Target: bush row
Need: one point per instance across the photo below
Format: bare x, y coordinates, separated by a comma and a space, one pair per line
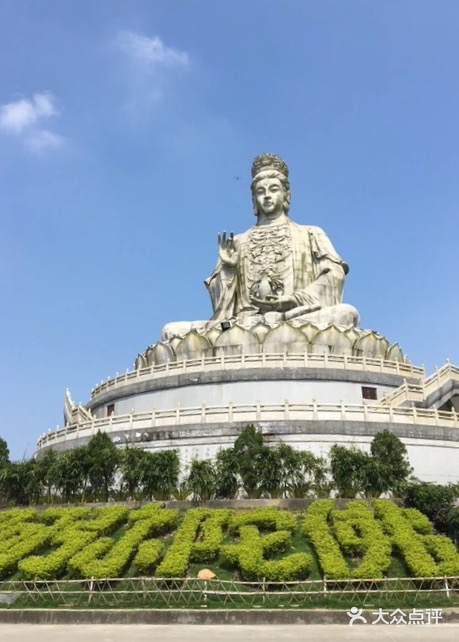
105, 558
249, 555
317, 529
30, 538
361, 536
425, 555
75, 541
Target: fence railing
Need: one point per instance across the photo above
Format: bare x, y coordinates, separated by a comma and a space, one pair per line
414, 393
262, 360
250, 413
191, 592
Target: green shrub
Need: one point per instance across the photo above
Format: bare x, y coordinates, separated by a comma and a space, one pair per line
211, 530
30, 538
409, 544
249, 555
177, 558
359, 534
317, 530
102, 560
53, 564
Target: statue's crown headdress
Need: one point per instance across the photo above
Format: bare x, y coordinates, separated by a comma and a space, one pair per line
269, 161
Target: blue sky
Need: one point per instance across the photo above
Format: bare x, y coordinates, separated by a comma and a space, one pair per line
123, 125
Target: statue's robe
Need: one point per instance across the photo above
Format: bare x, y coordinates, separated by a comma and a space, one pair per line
300, 260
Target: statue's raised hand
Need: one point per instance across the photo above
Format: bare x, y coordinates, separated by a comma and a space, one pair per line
227, 249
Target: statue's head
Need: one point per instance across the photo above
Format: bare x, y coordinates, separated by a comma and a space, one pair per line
270, 166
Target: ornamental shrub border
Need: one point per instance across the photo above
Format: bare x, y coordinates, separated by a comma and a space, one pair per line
101, 543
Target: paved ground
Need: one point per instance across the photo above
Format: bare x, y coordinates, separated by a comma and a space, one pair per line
144, 633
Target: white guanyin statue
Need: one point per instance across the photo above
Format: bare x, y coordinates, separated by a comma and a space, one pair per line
275, 271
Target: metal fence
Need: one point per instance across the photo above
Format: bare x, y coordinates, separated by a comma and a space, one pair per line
151, 592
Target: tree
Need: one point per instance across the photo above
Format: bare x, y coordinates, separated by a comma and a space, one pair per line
46, 472
269, 470
17, 482
202, 479
72, 473
226, 465
167, 465
159, 474
392, 467
103, 458
4, 453
301, 471
348, 469
248, 448
131, 469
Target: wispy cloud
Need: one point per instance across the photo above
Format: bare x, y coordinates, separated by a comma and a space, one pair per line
151, 52
150, 67
43, 140
24, 117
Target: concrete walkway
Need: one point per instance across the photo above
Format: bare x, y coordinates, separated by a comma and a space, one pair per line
222, 633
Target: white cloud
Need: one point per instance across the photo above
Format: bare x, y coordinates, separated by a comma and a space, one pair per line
42, 140
23, 119
20, 115
151, 52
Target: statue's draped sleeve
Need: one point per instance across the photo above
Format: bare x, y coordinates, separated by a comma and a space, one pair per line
318, 270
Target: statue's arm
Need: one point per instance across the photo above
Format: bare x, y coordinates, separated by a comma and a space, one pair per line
222, 283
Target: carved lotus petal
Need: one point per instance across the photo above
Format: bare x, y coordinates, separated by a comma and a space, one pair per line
394, 353
193, 346
237, 340
159, 353
260, 331
309, 330
371, 345
331, 340
285, 338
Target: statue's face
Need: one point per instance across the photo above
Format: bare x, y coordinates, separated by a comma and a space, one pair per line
269, 196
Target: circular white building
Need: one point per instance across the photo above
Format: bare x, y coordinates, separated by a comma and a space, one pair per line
281, 351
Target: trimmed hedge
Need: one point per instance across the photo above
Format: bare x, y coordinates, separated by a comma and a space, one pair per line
425, 555
104, 542
316, 527
359, 534
107, 559
253, 548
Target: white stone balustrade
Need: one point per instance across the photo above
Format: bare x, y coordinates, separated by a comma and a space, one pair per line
251, 413
262, 360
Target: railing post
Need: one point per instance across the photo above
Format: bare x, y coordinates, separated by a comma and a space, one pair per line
365, 412
284, 358
177, 414
314, 410
203, 413
230, 411
258, 411
286, 410
153, 417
